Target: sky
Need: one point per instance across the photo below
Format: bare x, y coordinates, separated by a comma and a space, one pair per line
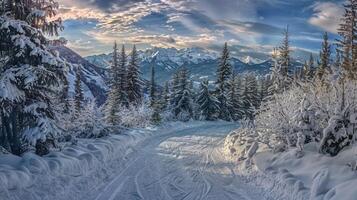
92, 26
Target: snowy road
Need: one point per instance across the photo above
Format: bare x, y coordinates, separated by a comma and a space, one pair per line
186, 163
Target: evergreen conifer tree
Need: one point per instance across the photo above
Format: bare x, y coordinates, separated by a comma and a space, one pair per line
348, 41
31, 78
224, 75
122, 76
78, 98
134, 81
183, 97
207, 103
325, 57
152, 88
113, 100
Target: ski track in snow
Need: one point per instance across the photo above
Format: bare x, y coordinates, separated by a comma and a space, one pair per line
187, 164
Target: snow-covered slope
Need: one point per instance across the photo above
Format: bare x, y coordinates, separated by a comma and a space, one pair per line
93, 77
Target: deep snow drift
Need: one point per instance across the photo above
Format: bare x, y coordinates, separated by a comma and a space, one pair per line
313, 176
179, 161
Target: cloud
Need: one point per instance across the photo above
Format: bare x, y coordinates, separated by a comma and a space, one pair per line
327, 16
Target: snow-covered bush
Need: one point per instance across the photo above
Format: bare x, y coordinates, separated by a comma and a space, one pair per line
91, 122
306, 127
307, 112
275, 122
135, 116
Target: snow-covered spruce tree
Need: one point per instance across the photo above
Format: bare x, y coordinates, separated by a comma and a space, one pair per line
325, 58
281, 70
30, 78
224, 73
112, 104
40, 14
135, 83
348, 42
78, 97
235, 97
250, 95
207, 103
152, 88
122, 79
311, 71
183, 97
165, 99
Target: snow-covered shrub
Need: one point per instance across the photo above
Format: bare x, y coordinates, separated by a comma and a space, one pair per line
275, 122
88, 123
339, 133
306, 111
306, 127
135, 116
91, 122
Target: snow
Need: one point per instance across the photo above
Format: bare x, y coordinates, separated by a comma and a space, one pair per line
176, 161
311, 176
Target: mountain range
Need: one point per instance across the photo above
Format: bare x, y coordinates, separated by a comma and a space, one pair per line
200, 62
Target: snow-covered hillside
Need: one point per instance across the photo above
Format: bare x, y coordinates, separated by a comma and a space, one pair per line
94, 79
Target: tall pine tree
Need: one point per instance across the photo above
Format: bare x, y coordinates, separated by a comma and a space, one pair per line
182, 108
134, 88
113, 100
122, 79
31, 78
224, 75
348, 42
325, 58
78, 98
207, 103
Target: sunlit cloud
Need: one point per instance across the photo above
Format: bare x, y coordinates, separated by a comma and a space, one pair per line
190, 23
327, 16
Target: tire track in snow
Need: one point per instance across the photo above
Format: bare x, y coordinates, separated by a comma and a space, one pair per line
180, 165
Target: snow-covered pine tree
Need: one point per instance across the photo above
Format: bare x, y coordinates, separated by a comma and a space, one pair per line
135, 83
31, 77
250, 95
325, 58
112, 104
263, 90
122, 79
207, 103
284, 56
78, 97
166, 96
183, 97
310, 73
235, 97
224, 73
152, 88
348, 42
40, 14
64, 100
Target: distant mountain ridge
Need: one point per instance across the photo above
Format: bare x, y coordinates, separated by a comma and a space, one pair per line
200, 62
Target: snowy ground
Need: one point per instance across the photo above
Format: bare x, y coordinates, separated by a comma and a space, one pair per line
311, 176
181, 161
